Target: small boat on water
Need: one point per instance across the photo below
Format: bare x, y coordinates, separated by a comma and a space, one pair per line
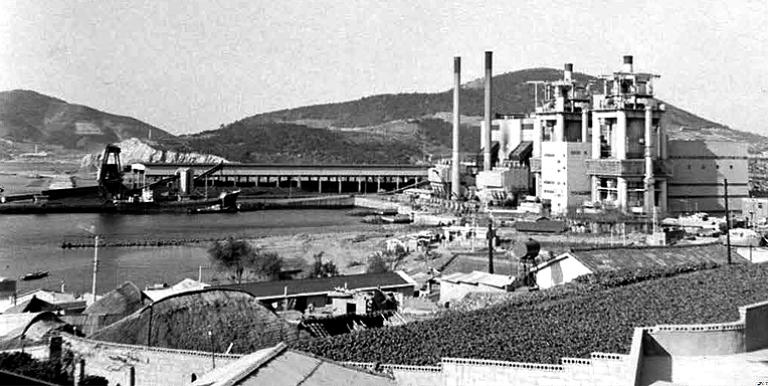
34, 275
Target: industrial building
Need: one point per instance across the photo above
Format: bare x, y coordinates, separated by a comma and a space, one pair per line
600, 146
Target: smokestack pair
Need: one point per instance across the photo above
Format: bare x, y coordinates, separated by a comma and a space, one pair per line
485, 135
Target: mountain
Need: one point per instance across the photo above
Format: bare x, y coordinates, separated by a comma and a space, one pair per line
28, 116
511, 95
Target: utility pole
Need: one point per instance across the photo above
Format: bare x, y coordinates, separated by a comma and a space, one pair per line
95, 265
727, 223
490, 246
213, 352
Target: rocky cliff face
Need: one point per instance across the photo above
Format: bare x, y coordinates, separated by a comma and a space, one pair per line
134, 150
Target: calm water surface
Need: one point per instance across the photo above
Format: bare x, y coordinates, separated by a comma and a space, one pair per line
33, 242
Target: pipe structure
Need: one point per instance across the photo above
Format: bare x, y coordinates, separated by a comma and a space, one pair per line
650, 185
485, 132
568, 72
455, 176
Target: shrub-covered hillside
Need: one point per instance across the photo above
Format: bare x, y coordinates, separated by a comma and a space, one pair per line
545, 327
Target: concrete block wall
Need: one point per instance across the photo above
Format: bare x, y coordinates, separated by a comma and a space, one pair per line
153, 366
707, 354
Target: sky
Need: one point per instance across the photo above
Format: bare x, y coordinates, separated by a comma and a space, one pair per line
188, 66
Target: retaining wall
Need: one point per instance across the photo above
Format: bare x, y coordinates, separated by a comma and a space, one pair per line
153, 366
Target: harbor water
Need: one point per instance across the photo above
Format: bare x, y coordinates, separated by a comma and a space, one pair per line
33, 242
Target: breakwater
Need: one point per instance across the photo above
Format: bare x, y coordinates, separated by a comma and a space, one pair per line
139, 243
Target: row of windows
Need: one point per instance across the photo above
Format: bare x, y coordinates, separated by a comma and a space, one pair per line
705, 166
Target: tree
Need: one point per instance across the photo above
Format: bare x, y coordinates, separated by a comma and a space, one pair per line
232, 255
267, 265
238, 256
44, 370
320, 269
376, 264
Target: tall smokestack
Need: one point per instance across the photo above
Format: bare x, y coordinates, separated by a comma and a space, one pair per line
485, 132
568, 72
455, 183
627, 66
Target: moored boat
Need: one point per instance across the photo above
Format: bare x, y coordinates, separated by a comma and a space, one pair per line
34, 275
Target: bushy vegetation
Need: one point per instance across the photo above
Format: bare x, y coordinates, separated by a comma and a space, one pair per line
239, 257
45, 370
570, 322
250, 141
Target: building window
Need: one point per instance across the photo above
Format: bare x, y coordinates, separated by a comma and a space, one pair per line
717, 166
689, 167
731, 167
703, 167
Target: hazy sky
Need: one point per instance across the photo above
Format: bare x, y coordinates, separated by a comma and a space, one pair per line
188, 66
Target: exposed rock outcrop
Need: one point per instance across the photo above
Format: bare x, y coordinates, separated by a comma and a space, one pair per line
134, 150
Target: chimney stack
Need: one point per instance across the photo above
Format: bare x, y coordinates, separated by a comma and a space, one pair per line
485, 132
627, 66
568, 72
455, 180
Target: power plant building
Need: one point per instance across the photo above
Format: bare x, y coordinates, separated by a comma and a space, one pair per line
610, 150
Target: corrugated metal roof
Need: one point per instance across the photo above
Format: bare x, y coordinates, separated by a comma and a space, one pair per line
611, 259
279, 366
479, 277
276, 289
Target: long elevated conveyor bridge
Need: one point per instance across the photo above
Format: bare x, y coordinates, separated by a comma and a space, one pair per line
322, 178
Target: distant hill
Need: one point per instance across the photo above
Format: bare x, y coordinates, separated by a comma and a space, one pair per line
28, 116
511, 95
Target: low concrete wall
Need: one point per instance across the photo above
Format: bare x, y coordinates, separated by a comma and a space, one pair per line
690, 340
755, 318
320, 202
153, 366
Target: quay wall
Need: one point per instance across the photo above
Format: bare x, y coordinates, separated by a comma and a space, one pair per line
419, 218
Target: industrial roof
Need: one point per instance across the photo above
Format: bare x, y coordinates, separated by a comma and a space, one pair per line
544, 226
611, 259
479, 277
294, 288
280, 366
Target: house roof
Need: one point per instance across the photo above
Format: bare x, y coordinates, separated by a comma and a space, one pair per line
122, 300
185, 285
294, 288
182, 321
32, 304
281, 366
543, 226
53, 297
611, 259
479, 277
